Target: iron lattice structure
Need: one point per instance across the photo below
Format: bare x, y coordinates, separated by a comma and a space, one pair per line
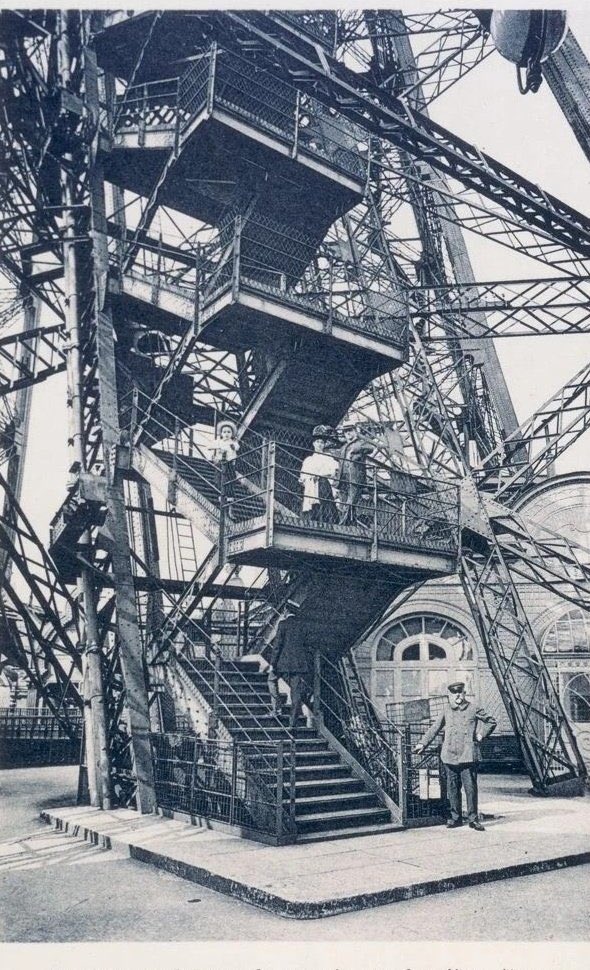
130, 263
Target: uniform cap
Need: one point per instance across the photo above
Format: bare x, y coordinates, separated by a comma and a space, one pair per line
456, 687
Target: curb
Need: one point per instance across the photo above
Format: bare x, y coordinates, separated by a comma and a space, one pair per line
295, 909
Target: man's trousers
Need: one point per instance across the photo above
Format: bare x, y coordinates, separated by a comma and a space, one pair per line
462, 776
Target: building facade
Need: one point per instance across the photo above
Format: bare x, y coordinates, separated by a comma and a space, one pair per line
431, 639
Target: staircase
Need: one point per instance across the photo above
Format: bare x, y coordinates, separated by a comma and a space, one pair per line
204, 477
331, 800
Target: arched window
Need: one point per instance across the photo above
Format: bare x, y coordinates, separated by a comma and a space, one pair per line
569, 633
576, 697
417, 656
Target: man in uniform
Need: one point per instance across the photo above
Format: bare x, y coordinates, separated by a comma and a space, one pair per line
464, 724
291, 659
351, 479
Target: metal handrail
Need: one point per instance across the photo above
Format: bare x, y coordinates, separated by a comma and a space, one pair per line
266, 256
228, 685
223, 78
373, 752
280, 492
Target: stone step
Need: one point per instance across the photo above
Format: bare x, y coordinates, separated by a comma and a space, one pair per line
351, 832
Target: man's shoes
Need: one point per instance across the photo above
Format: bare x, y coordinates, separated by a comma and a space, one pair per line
477, 826
454, 823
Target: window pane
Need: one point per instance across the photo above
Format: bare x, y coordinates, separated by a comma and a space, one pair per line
434, 625
576, 698
384, 683
411, 683
385, 649
467, 677
413, 625
412, 652
437, 682
435, 652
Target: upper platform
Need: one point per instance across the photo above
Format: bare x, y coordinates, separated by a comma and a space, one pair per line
402, 522
230, 132
251, 287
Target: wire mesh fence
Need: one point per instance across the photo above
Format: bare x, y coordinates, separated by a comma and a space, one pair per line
249, 785
28, 738
424, 788
222, 79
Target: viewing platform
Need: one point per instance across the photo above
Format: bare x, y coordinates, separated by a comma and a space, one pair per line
227, 123
252, 287
401, 521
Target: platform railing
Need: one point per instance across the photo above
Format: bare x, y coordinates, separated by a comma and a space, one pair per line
221, 79
245, 785
395, 508
262, 256
28, 737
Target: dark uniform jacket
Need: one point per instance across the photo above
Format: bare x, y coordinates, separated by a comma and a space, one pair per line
352, 469
460, 725
291, 652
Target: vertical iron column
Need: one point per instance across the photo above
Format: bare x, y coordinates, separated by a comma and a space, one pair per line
22, 409
97, 760
458, 254
131, 656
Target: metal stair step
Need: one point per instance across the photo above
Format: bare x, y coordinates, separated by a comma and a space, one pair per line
327, 786
306, 806
327, 772
349, 818
273, 735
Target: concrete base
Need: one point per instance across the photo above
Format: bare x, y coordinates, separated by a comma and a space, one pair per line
317, 880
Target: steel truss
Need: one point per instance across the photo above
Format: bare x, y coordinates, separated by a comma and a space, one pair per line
441, 401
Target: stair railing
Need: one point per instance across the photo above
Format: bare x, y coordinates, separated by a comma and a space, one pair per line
222, 682
235, 782
349, 717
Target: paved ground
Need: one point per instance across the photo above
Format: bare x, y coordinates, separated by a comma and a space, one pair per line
55, 888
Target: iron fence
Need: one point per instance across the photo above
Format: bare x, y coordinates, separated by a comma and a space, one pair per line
243, 784
341, 702
394, 508
28, 738
499, 752
221, 79
423, 778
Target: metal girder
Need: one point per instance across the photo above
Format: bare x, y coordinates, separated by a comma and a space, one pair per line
31, 356
553, 428
48, 626
506, 308
542, 556
494, 412
567, 72
459, 205
547, 741
456, 46
515, 658
380, 114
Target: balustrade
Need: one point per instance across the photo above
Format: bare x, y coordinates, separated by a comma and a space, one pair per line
395, 509
222, 80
